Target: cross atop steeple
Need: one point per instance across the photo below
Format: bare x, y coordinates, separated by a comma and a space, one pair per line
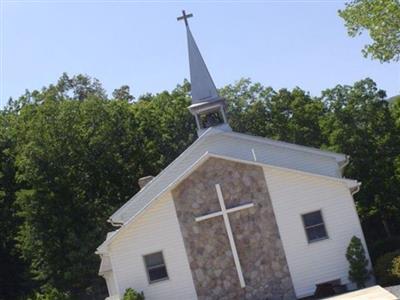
185, 17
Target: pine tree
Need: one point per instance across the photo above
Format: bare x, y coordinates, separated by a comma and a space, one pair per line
358, 272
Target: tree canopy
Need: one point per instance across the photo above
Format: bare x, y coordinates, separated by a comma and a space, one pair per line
381, 19
70, 156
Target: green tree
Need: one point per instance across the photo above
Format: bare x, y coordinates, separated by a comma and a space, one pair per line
69, 157
359, 123
247, 106
387, 268
78, 87
78, 159
295, 117
381, 18
123, 93
291, 116
166, 126
50, 293
131, 294
358, 263
14, 280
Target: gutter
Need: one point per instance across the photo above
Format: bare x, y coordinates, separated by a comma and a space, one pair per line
115, 224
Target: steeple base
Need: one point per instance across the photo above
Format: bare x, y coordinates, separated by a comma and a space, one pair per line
222, 127
210, 114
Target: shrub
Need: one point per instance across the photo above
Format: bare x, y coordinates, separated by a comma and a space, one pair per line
131, 294
50, 293
358, 272
387, 268
381, 247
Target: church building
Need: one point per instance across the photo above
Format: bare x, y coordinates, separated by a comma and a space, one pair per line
235, 216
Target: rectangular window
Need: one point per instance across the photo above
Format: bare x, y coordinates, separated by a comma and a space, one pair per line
314, 226
155, 267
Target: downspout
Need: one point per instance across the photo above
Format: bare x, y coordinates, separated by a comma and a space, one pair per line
344, 165
357, 189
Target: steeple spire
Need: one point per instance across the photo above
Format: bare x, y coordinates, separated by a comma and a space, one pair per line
207, 106
203, 87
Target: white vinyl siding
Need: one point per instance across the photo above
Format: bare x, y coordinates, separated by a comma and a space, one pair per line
314, 226
156, 230
292, 196
110, 282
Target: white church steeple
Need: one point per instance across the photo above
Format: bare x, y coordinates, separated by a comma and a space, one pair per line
207, 106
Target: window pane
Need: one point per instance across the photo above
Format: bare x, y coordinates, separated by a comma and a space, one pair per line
155, 266
154, 259
157, 273
316, 233
312, 218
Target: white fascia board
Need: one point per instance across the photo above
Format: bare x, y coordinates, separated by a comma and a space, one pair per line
350, 183
103, 247
339, 157
155, 180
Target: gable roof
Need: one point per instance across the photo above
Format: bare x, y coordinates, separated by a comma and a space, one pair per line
237, 145
351, 184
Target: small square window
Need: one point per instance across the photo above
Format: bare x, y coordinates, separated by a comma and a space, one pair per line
155, 266
314, 226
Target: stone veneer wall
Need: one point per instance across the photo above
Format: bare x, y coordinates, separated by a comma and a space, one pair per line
255, 232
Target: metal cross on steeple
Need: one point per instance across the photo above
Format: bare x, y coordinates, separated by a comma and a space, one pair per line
185, 17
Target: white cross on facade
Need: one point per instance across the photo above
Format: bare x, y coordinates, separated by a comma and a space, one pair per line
224, 213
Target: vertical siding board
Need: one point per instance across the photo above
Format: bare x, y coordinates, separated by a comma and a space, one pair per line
156, 230
295, 194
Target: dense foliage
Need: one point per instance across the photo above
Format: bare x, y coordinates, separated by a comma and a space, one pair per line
381, 19
387, 269
70, 156
131, 294
384, 245
358, 262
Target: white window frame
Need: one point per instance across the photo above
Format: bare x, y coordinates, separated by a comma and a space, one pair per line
156, 266
315, 225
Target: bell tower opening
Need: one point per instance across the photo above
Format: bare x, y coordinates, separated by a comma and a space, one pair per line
210, 115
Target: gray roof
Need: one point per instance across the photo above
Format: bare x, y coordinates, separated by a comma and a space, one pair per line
203, 87
234, 145
139, 207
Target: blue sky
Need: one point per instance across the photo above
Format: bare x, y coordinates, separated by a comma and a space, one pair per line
140, 43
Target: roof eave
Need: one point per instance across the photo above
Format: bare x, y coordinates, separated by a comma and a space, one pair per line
339, 157
350, 183
114, 220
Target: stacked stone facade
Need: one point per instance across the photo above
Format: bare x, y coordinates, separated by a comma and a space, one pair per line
255, 233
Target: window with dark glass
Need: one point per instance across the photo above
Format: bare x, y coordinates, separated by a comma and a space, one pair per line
314, 226
155, 267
